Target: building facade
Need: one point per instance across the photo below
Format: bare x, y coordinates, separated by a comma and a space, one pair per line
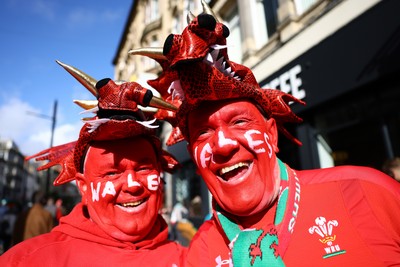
18, 178
339, 56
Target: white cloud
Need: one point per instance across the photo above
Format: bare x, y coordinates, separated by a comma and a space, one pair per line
81, 17
29, 132
44, 8
111, 15
86, 18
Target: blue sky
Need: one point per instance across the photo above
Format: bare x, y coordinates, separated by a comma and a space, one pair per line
35, 33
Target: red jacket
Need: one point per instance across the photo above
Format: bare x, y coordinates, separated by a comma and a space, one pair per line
77, 241
360, 206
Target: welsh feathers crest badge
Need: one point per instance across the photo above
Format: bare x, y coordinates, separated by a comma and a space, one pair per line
324, 229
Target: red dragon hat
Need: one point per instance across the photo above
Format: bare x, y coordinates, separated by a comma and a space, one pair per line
196, 68
117, 116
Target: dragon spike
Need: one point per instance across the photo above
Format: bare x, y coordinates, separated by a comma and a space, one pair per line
207, 9
86, 104
189, 17
157, 102
87, 81
152, 52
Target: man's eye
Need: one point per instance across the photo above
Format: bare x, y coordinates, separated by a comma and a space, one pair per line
145, 168
239, 121
202, 132
111, 173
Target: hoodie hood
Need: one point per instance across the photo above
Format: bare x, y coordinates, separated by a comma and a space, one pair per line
79, 225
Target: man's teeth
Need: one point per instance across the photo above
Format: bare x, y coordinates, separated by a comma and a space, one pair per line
132, 204
233, 167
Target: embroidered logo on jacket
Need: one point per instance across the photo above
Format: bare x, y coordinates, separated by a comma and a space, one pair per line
324, 229
221, 262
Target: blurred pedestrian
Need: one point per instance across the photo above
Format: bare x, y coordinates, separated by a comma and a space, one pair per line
51, 207
182, 229
33, 221
7, 225
60, 210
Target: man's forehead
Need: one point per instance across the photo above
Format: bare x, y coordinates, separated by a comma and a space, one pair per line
136, 148
119, 142
231, 105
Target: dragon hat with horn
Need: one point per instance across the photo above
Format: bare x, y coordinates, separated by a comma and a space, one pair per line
196, 68
117, 116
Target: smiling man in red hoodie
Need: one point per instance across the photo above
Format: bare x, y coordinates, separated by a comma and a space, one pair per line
117, 163
264, 212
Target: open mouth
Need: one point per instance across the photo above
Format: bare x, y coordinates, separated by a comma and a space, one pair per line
131, 205
215, 59
235, 171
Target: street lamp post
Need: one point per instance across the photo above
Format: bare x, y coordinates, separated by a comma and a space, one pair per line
53, 125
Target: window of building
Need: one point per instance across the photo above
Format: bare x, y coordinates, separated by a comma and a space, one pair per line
303, 5
231, 19
191, 5
152, 11
271, 15
176, 24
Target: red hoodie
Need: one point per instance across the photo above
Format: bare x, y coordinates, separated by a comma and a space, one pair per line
342, 216
77, 241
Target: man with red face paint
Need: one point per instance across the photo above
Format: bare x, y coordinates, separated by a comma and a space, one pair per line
117, 163
264, 212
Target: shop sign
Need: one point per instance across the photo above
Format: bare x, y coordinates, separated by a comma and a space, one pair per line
289, 82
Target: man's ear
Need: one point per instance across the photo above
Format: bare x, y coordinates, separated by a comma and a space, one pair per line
272, 132
81, 183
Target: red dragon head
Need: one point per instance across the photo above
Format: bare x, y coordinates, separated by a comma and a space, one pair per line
197, 68
117, 116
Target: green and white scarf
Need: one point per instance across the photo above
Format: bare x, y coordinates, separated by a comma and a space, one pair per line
259, 247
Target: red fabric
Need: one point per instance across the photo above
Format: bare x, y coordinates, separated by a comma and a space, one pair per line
365, 204
79, 242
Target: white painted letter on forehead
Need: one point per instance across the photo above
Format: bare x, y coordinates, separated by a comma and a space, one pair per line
254, 143
222, 141
153, 181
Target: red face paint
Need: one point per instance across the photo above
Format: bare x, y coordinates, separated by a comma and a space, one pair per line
122, 187
234, 148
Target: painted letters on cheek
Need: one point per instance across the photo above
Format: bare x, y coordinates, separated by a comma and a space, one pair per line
153, 181
222, 141
95, 192
205, 155
132, 183
109, 189
254, 143
266, 138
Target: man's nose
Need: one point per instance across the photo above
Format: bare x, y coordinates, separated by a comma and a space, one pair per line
224, 143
